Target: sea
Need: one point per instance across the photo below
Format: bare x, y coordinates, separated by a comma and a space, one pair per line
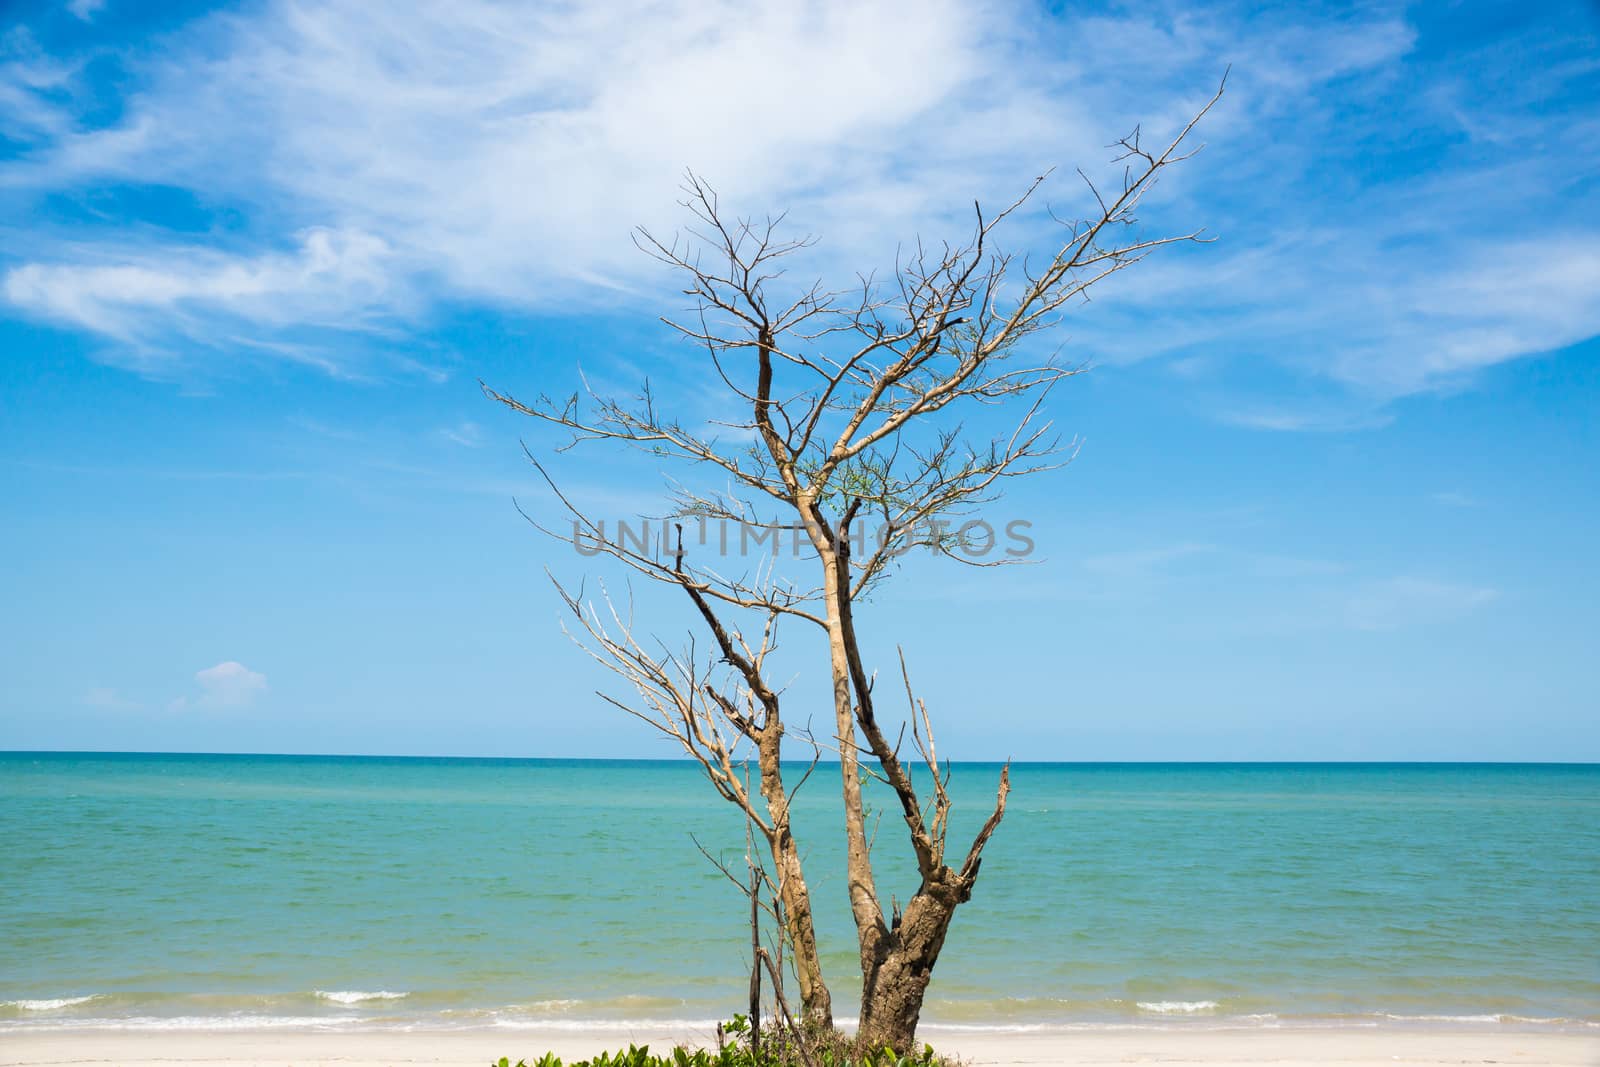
174, 892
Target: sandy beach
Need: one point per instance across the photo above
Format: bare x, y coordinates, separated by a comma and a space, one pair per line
1345, 1047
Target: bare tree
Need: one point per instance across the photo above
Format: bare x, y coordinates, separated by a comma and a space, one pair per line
847, 406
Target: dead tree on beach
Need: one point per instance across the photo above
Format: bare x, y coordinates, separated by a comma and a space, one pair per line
846, 409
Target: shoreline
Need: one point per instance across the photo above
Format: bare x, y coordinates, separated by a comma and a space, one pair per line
1181, 1019
1343, 1046
936, 1032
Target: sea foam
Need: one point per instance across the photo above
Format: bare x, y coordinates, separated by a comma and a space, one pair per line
1177, 1007
184, 1022
356, 996
45, 1005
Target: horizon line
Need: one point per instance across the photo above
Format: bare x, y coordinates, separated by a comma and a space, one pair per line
690, 762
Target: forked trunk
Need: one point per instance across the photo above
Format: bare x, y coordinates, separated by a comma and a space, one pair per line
897, 958
893, 990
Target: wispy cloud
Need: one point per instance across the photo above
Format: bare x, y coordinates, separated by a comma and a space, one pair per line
465, 434
500, 154
86, 9
1277, 592
141, 298
1510, 299
508, 151
1392, 603
1300, 420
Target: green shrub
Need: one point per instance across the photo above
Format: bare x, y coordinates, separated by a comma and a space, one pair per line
777, 1050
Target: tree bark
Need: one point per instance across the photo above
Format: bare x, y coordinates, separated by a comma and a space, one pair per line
816, 1003
896, 960
892, 991
871, 931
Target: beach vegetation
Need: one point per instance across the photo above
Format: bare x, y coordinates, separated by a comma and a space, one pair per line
833, 1050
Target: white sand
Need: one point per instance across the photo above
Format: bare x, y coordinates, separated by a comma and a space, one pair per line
1345, 1048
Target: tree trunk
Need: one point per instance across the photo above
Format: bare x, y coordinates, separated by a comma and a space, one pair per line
816, 1003
871, 932
893, 990
896, 959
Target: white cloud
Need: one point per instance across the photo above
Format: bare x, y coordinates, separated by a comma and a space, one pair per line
501, 153
135, 295
31, 87
1510, 300
508, 150
1302, 420
229, 684
466, 434
86, 9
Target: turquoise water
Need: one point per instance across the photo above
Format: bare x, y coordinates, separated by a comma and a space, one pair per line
242, 891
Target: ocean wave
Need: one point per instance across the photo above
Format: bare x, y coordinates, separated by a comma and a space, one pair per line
52, 1004
1177, 1007
605, 1025
1010, 1028
45, 1022
186, 1022
453, 1010
1502, 1019
345, 996
562, 1005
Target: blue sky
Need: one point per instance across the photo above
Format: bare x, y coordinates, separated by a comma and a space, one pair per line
1336, 495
